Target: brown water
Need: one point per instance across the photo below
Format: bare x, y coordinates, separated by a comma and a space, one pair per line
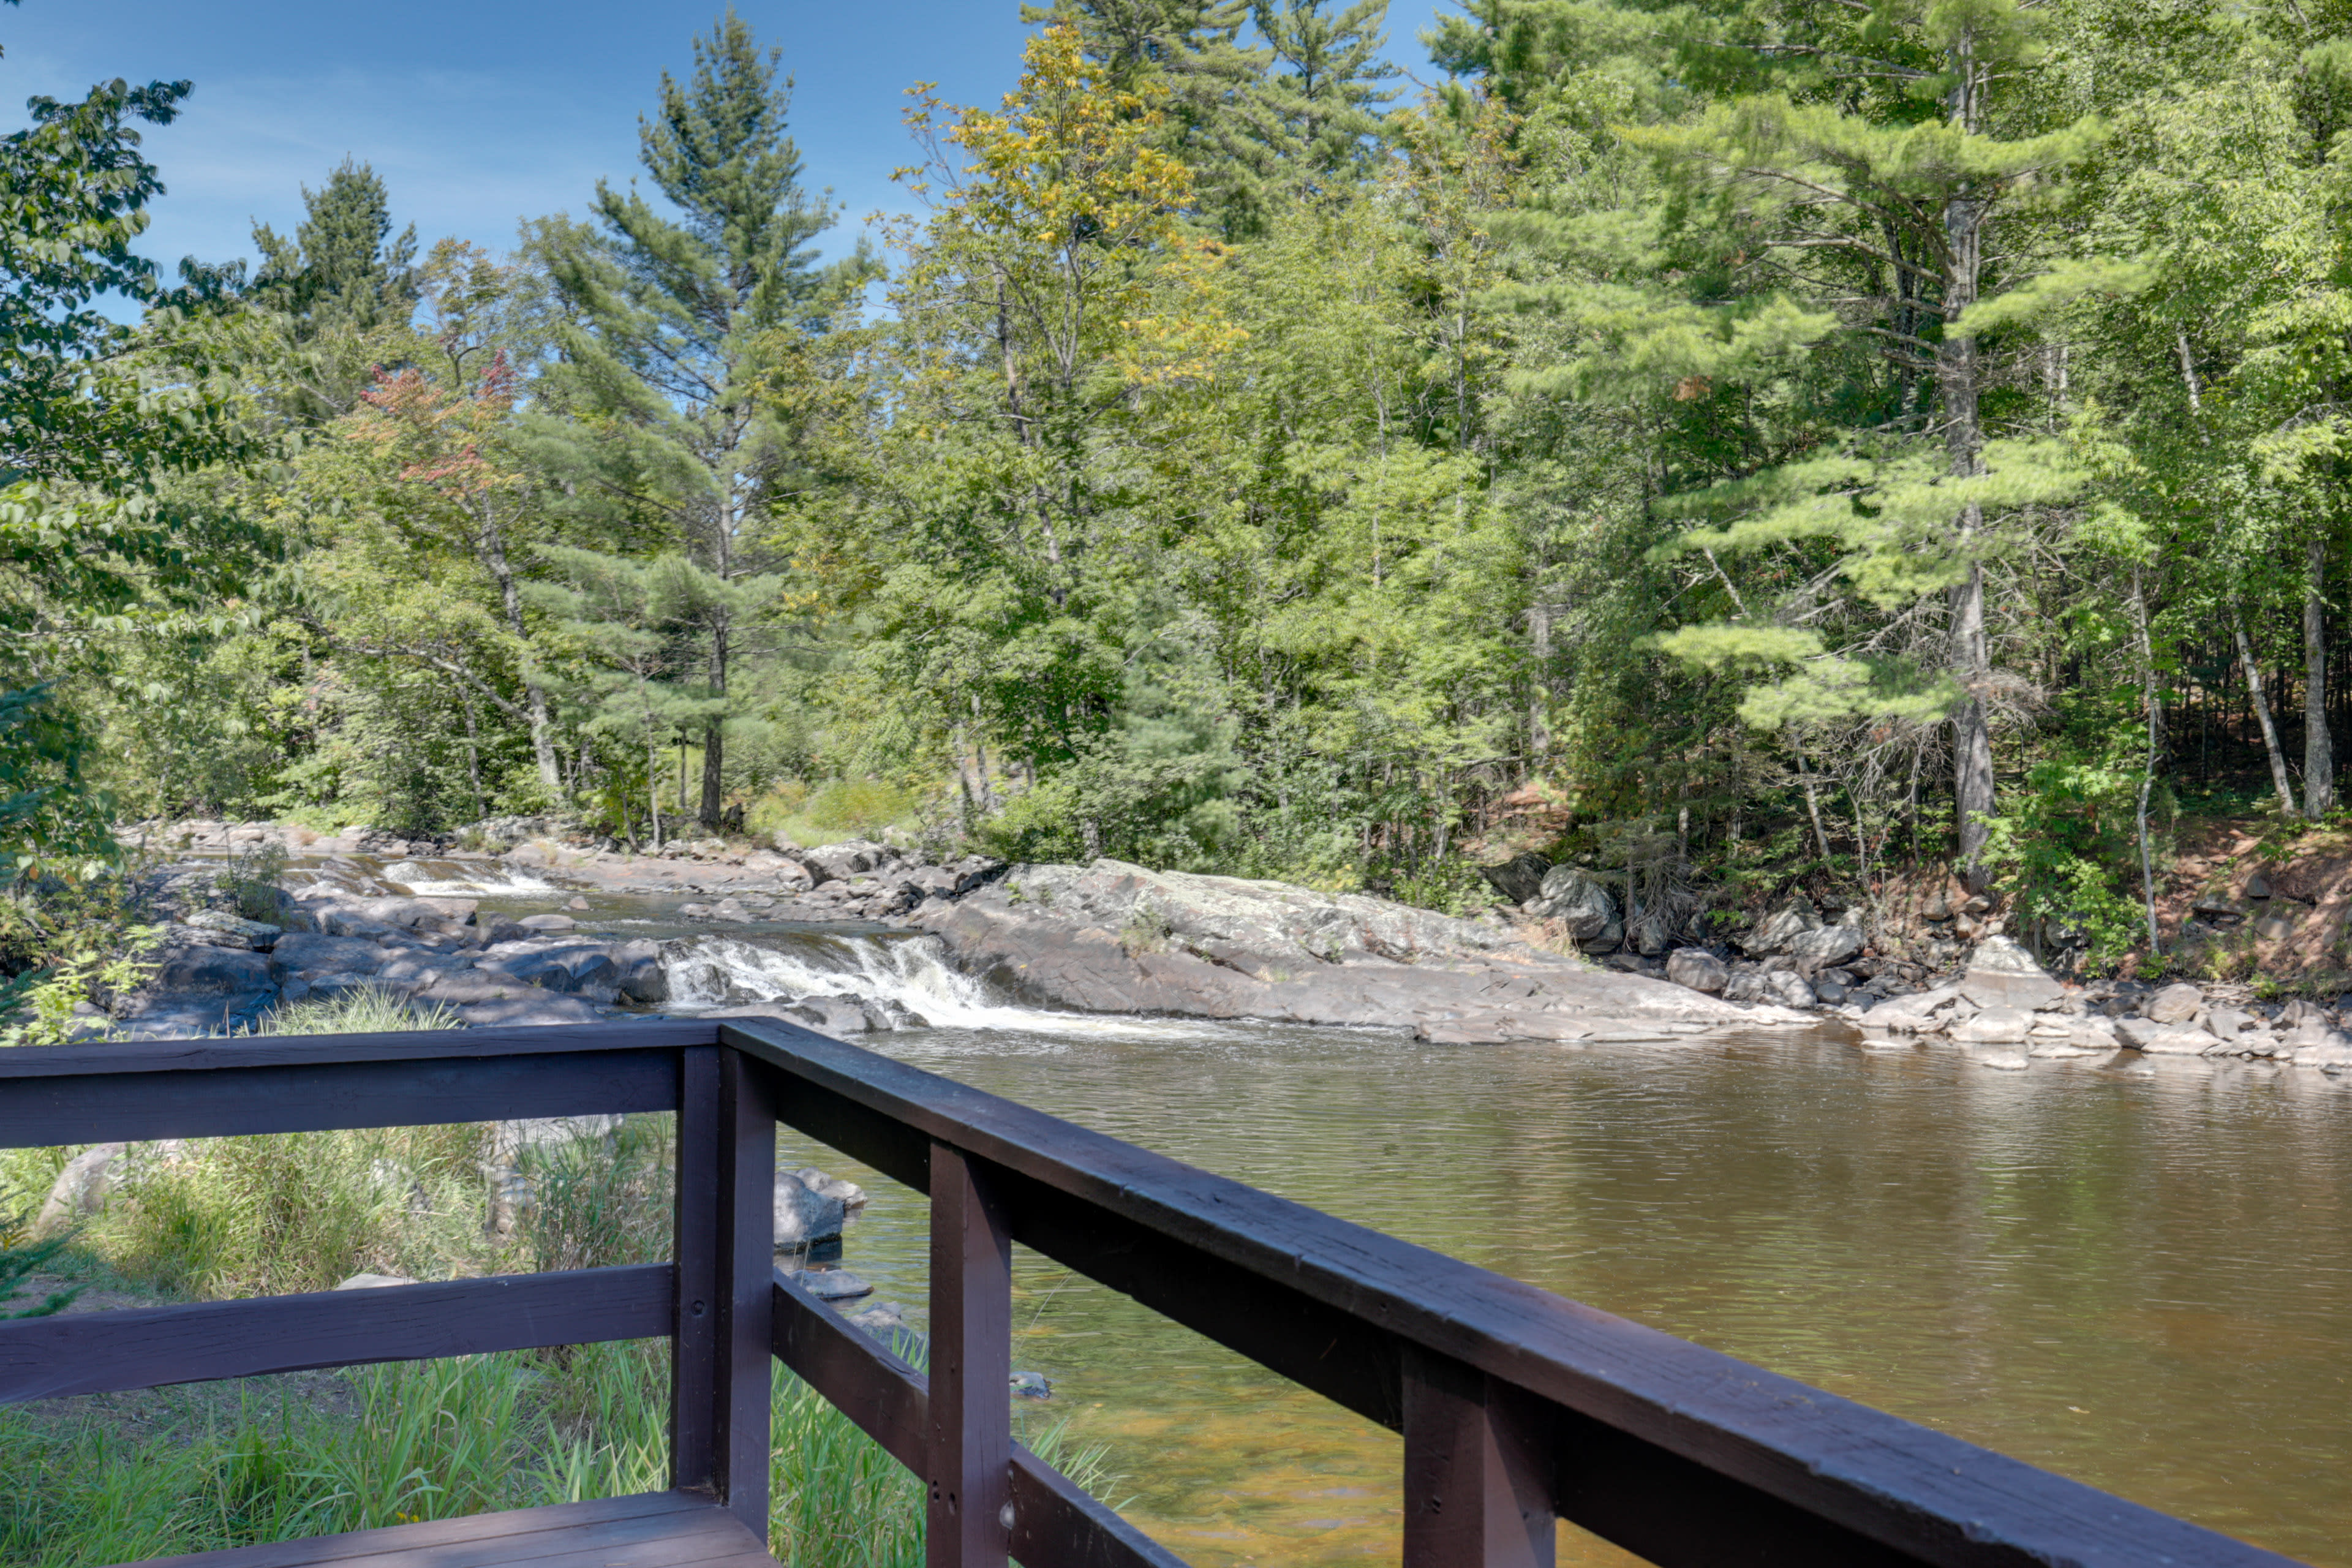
2141, 1277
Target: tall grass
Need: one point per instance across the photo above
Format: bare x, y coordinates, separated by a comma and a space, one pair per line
234, 1216
440, 1439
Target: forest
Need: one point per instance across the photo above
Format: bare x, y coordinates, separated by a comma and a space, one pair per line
1763, 439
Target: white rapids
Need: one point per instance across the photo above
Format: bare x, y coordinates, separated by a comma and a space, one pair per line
910, 972
449, 880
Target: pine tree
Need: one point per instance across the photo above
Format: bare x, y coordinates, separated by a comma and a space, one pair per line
673, 327
343, 268
1324, 86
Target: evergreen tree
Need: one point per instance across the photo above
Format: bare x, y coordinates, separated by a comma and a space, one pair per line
344, 268
1324, 86
673, 330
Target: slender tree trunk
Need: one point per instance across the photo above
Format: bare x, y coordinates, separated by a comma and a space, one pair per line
1539, 652
1959, 374
2262, 714
543, 723
2155, 745
2318, 746
1813, 802
714, 741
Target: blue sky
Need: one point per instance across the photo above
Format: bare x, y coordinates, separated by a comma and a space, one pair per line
480, 113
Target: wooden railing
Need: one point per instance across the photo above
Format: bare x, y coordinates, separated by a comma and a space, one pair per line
1517, 1406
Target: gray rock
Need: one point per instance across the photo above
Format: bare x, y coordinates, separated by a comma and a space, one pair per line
834, 1284
1919, 1011
1786, 988
535, 1006
2227, 1023
79, 1190
2331, 1050
233, 930
1519, 879
1994, 1025
308, 952
803, 1216
548, 923
1775, 932
1032, 1386
2177, 1040
839, 862
207, 970
2175, 1003
1582, 906
373, 1281
2001, 973
1698, 969
1825, 945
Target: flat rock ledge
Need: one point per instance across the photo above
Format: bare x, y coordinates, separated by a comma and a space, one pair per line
1115, 938
2005, 1007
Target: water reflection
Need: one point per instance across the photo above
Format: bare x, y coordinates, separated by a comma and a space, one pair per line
2141, 1277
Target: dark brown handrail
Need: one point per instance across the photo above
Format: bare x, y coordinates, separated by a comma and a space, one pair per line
1516, 1406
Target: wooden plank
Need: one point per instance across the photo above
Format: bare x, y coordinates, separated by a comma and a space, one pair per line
885, 1396
140, 1057
694, 1352
1864, 1477
744, 1374
309, 1095
1055, 1523
969, 1411
90, 1352
514, 1524
1478, 1476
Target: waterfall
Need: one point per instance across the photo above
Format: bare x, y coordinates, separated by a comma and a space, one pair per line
904, 975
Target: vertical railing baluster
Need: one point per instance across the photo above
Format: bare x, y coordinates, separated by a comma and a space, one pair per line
970, 1441
694, 1349
746, 1239
1477, 1470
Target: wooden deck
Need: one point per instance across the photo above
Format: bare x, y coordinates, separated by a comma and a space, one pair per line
654, 1529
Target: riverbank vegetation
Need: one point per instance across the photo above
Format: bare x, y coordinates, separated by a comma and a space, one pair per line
161, 1472
1793, 439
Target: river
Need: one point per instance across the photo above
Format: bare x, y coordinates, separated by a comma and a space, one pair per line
2137, 1273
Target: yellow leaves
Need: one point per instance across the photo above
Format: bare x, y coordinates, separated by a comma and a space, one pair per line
1181, 343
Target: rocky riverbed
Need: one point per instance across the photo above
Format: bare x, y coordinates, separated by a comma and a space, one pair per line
1565, 964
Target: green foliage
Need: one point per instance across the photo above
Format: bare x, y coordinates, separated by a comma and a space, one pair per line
2066, 854
22, 1257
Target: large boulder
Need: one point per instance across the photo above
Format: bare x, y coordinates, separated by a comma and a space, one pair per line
1698, 969
1519, 879
1773, 934
839, 862
1825, 947
804, 1217
312, 953
218, 928
79, 1190
2001, 973
207, 970
1579, 902
2175, 1003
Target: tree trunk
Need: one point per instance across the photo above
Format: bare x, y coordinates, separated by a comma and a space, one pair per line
1539, 653
2155, 745
1959, 376
542, 725
2318, 746
2262, 714
714, 742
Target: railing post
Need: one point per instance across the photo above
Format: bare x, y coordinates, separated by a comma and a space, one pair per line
1477, 1473
970, 1441
694, 1352
719, 1372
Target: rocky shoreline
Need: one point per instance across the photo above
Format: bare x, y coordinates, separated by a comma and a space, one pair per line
1119, 939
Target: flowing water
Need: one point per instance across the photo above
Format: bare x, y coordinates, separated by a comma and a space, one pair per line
2140, 1277
2136, 1273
